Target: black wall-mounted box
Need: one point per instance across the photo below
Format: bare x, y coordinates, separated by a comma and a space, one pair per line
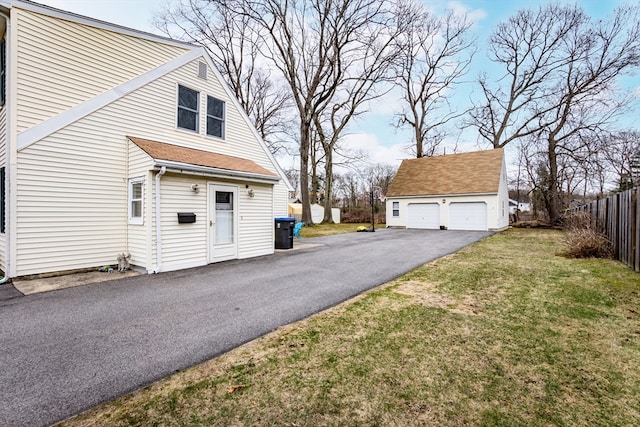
186, 217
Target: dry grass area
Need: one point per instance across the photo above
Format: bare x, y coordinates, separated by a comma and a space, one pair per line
502, 333
318, 230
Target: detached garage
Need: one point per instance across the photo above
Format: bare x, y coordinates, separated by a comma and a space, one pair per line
466, 191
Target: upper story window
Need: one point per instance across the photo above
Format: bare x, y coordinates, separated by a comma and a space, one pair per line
188, 108
215, 117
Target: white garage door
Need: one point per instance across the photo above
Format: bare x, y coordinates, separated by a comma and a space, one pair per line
468, 216
423, 215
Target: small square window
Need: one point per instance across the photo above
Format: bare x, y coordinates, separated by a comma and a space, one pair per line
188, 108
135, 201
215, 117
396, 208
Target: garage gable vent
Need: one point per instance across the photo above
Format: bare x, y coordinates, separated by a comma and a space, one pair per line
202, 70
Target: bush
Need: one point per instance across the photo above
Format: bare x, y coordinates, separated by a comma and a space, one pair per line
361, 215
583, 239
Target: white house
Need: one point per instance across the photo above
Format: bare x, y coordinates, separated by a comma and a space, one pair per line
466, 191
119, 141
515, 205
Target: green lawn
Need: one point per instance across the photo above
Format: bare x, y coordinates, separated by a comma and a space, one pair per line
504, 332
329, 229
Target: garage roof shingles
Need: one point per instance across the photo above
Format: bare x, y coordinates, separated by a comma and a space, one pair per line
465, 173
176, 153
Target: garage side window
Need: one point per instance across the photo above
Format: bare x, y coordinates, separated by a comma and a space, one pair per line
396, 208
135, 200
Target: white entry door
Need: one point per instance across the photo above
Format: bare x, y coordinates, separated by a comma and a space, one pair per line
423, 215
223, 222
468, 216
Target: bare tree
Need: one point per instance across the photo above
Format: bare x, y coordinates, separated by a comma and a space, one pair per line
434, 53
364, 69
597, 53
528, 47
234, 44
622, 155
307, 40
559, 86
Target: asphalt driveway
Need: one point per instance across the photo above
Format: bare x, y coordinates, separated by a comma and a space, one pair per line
65, 351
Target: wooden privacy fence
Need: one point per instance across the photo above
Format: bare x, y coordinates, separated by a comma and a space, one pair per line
618, 216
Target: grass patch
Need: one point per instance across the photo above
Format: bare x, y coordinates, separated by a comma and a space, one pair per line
318, 230
503, 332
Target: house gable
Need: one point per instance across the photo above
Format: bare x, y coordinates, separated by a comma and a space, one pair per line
58, 122
62, 61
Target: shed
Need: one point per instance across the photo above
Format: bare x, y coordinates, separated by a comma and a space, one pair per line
317, 212
465, 191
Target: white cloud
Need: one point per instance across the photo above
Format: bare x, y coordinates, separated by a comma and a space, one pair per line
460, 9
376, 153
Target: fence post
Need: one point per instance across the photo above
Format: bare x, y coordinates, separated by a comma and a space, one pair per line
635, 220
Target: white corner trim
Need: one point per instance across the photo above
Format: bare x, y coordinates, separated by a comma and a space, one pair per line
54, 124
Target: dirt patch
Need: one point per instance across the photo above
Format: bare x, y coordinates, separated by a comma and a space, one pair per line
34, 286
424, 293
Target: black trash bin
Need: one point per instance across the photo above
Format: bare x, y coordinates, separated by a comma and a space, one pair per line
284, 232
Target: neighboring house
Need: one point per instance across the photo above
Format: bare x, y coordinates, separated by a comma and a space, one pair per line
466, 191
317, 212
119, 141
514, 206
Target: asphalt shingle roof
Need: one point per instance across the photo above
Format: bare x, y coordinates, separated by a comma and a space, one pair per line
176, 153
477, 172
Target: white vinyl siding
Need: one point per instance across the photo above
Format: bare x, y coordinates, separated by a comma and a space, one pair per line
140, 240
62, 64
73, 186
72, 204
183, 245
3, 159
255, 223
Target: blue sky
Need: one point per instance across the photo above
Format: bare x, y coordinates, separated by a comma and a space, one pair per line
373, 133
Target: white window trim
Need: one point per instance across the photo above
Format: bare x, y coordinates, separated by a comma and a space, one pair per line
395, 212
223, 119
177, 107
135, 220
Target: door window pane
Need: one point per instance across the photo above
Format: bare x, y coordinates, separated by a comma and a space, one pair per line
224, 217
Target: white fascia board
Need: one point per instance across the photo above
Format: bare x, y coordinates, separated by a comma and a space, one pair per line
92, 22
74, 114
243, 113
427, 196
181, 168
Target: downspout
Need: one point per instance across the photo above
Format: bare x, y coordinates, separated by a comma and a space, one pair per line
161, 172
7, 175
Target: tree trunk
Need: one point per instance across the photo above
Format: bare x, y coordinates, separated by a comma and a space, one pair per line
305, 134
328, 186
553, 196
